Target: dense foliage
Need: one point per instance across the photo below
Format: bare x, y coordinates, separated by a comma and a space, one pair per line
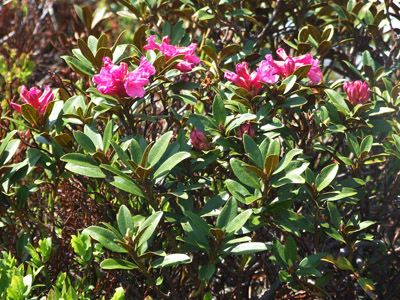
184, 149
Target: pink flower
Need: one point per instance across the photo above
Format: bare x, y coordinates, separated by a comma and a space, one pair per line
246, 128
357, 91
136, 80
115, 81
289, 64
169, 51
199, 140
34, 97
267, 71
244, 79
111, 79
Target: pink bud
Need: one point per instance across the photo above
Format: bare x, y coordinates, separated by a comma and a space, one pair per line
357, 91
199, 140
289, 66
246, 128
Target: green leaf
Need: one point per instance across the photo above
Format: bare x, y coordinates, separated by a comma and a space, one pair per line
366, 144
82, 165
354, 69
239, 221
243, 174
247, 248
341, 262
159, 148
307, 267
287, 159
108, 134
334, 215
368, 287
92, 132
353, 144
149, 227
326, 176
177, 32
170, 163
289, 82
337, 100
16, 289
105, 237
79, 66
123, 181
30, 114
171, 260
290, 251
252, 150
116, 263
124, 220
119, 294
122, 155
199, 223
279, 253
294, 102
368, 60
85, 142
227, 214
218, 110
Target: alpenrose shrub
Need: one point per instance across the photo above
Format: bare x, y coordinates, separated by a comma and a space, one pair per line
188, 163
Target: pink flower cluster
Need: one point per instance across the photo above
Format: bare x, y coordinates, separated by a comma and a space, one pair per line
270, 70
34, 97
357, 91
115, 81
169, 51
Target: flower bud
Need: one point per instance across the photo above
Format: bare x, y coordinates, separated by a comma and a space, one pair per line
289, 66
246, 128
199, 140
357, 91
34, 97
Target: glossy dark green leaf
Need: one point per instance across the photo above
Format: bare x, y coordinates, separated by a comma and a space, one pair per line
326, 176
30, 114
159, 148
227, 214
171, 260
83, 165
337, 100
218, 110
238, 222
335, 215
105, 237
290, 250
247, 248
124, 220
170, 163
85, 142
252, 150
117, 263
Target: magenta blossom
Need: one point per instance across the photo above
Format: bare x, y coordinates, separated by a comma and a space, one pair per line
34, 97
289, 64
111, 79
357, 91
169, 51
115, 81
199, 140
244, 79
246, 128
136, 80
